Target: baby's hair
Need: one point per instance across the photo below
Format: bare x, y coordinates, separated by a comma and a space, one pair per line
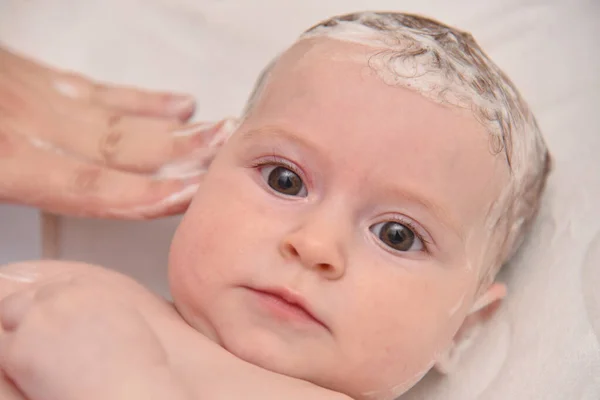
448, 66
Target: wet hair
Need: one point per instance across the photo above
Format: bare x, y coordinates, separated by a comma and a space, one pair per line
448, 66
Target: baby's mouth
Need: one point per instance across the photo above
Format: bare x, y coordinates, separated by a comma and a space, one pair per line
287, 305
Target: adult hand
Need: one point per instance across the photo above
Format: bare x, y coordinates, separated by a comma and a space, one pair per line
71, 146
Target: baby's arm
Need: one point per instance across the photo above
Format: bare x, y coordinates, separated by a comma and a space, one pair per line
93, 316
74, 332
17, 277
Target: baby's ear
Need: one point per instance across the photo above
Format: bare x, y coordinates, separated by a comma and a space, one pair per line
482, 310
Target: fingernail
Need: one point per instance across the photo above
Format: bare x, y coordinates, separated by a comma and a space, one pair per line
178, 104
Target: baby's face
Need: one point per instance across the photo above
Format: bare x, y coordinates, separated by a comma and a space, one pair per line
336, 236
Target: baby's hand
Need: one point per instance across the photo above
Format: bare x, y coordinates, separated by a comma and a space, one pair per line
74, 339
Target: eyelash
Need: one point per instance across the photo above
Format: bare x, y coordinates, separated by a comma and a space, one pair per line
414, 228
272, 160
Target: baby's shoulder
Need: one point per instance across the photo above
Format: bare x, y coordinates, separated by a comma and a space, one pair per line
17, 276
22, 275
40, 271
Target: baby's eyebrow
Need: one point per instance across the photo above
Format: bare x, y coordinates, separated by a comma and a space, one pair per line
272, 133
278, 133
438, 212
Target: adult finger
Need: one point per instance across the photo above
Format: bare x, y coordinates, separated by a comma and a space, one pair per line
125, 99
70, 186
136, 101
137, 144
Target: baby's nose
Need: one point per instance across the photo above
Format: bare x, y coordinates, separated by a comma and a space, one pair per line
318, 249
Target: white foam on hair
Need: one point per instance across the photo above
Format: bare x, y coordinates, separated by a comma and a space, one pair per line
416, 73
413, 75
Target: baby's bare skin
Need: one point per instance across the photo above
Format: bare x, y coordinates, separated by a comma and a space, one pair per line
198, 366
340, 236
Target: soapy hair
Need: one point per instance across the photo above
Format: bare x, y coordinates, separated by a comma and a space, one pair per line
447, 66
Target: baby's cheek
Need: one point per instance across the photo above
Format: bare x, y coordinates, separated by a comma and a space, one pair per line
392, 357
208, 243
399, 338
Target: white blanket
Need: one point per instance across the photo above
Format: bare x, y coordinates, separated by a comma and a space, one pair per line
544, 344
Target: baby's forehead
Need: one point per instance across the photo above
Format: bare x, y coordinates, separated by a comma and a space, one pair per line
320, 53
331, 81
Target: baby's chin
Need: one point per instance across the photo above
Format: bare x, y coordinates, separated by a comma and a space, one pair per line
250, 343
314, 361
272, 354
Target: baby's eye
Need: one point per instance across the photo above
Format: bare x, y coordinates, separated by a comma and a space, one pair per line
397, 236
284, 180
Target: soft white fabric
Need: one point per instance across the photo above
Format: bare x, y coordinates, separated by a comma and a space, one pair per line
545, 342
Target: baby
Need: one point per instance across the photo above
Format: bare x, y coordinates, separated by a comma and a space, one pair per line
344, 241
